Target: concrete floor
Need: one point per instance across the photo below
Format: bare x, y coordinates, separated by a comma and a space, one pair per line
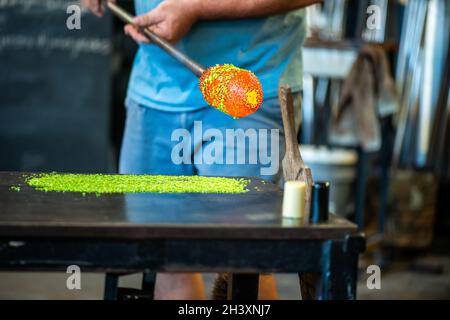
405, 281
399, 282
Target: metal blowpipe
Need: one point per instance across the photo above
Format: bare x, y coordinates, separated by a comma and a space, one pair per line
163, 44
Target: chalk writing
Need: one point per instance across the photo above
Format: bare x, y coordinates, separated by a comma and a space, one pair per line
73, 45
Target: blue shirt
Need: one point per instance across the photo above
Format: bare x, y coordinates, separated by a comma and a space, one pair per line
270, 47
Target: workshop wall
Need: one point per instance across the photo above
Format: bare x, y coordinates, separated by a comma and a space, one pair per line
55, 89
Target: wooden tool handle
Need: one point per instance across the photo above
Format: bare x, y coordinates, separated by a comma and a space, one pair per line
287, 113
163, 44
293, 166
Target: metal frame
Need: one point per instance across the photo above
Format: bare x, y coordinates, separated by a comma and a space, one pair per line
334, 260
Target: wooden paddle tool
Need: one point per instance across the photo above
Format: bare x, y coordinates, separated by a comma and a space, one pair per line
293, 166
295, 169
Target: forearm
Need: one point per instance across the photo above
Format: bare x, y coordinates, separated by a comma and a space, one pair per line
231, 9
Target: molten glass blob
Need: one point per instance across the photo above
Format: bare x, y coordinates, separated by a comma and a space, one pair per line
232, 90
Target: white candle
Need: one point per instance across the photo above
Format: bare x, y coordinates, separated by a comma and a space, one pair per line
294, 199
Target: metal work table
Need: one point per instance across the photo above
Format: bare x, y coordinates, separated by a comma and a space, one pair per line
243, 234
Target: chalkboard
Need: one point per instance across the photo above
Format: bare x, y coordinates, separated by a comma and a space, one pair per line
55, 88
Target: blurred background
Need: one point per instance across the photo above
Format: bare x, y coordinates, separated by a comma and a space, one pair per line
375, 123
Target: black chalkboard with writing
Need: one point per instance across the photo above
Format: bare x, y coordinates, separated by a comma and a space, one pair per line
55, 88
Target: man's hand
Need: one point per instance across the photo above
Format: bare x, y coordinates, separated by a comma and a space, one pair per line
170, 20
96, 6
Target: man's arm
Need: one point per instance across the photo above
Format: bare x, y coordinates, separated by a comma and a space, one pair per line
231, 9
172, 19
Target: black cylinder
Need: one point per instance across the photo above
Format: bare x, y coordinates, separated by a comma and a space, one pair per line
319, 202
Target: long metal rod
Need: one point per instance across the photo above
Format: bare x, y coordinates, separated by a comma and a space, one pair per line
163, 44
409, 74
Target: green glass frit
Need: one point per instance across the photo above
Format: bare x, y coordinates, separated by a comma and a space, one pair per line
115, 183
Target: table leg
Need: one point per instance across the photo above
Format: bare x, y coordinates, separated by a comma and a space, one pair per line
340, 268
309, 284
111, 286
243, 286
148, 284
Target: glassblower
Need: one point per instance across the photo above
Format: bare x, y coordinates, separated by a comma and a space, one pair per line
232, 90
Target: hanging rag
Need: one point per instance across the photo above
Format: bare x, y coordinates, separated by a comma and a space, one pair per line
368, 94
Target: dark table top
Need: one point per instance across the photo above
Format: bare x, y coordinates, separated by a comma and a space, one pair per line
252, 215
